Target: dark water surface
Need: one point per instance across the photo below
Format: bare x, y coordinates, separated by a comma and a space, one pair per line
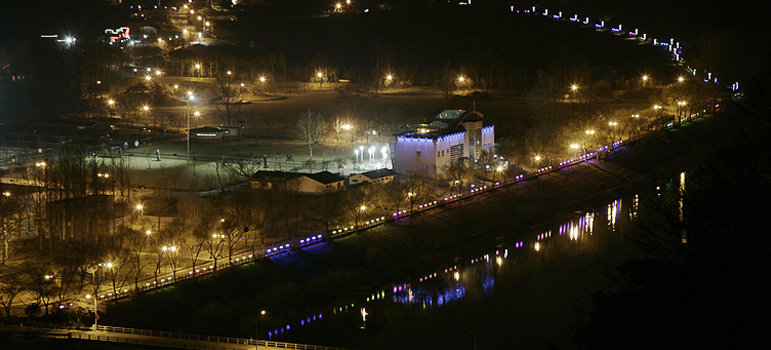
531, 288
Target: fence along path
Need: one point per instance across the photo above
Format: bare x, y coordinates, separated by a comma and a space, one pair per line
184, 340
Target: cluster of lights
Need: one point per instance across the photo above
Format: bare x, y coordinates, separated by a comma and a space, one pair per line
477, 190
426, 205
276, 250
314, 239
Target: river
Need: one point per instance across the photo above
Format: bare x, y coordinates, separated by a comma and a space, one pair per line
531, 288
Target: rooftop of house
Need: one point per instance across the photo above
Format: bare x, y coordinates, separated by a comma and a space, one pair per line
444, 123
378, 173
324, 177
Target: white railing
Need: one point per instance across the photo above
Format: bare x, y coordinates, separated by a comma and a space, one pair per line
211, 338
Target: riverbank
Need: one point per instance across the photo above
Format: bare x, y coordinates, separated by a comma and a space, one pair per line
311, 279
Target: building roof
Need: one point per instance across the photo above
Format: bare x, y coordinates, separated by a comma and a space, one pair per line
444, 122
265, 174
213, 128
207, 129
378, 173
324, 177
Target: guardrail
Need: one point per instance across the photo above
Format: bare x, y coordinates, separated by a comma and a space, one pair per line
210, 338
148, 342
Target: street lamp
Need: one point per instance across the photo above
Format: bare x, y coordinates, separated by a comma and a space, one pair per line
574, 88
645, 79
574, 147
356, 152
257, 329
680, 79
190, 97
371, 152
384, 152
141, 209
590, 132
148, 78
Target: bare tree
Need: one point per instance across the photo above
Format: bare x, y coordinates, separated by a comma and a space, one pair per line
242, 169
228, 98
311, 127
457, 174
11, 217
11, 285
327, 209
417, 189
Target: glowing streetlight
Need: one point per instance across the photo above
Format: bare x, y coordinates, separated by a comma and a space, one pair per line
680, 79
461, 79
319, 74
262, 79
110, 102
612, 123
190, 97
389, 77
158, 72
339, 6
590, 132
346, 126
141, 209
537, 158
574, 88
574, 147
229, 72
146, 108
537, 246
148, 78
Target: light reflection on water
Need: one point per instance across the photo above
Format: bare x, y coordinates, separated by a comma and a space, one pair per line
584, 233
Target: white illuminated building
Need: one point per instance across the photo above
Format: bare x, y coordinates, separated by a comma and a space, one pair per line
453, 136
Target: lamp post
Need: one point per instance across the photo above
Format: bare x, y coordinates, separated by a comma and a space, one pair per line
574, 147
190, 97
574, 88
356, 152
257, 330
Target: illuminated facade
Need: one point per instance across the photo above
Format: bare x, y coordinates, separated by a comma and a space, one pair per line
453, 136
